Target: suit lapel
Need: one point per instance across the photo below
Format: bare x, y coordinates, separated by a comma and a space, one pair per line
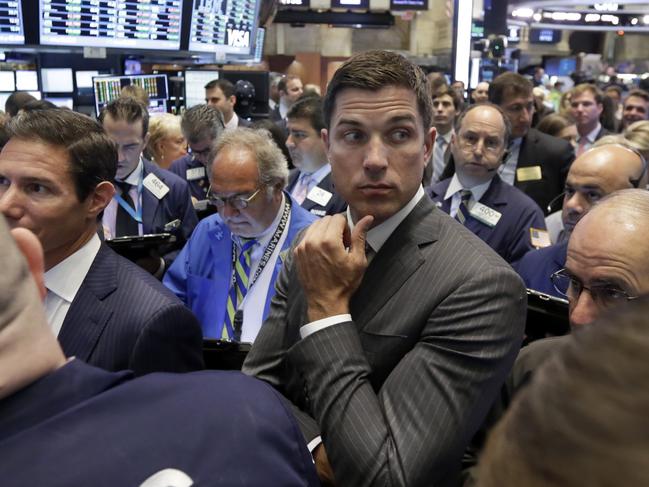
395, 263
88, 315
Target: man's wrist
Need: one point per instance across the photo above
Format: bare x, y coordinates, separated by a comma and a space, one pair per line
320, 310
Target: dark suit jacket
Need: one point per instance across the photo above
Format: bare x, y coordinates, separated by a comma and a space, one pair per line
335, 205
81, 426
197, 187
398, 391
511, 236
123, 318
537, 266
243, 122
175, 205
552, 154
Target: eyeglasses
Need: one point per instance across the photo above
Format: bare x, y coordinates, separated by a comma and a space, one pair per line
604, 295
489, 144
237, 202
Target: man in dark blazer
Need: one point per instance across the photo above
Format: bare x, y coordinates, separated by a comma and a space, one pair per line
220, 94
390, 364
509, 221
109, 429
310, 183
149, 199
446, 105
536, 163
202, 125
586, 106
57, 169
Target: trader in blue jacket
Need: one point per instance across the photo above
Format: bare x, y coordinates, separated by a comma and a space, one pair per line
509, 221
226, 272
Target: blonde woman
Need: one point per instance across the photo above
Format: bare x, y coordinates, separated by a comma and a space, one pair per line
166, 141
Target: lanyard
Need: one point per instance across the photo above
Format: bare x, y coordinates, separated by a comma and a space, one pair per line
270, 248
136, 215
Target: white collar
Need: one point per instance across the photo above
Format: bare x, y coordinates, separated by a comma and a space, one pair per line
455, 186
592, 135
446, 136
66, 277
233, 123
134, 178
379, 234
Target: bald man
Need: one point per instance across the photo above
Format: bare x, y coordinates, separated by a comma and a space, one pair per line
596, 173
607, 265
85, 414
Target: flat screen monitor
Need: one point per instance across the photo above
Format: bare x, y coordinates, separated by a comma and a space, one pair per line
7, 81
559, 66
195, 82
360, 4
3, 99
408, 4
26, 81
57, 80
544, 36
108, 88
226, 27
131, 24
84, 78
11, 23
258, 52
61, 101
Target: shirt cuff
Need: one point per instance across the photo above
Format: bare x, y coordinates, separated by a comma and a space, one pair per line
313, 444
318, 325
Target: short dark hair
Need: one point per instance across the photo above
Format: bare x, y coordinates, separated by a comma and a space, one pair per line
638, 93
309, 108
374, 70
506, 121
281, 86
553, 124
127, 109
447, 90
508, 84
16, 101
224, 85
92, 154
202, 121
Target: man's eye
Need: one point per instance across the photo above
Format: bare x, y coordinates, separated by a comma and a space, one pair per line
36, 188
4, 181
399, 135
352, 136
492, 143
593, 196
569, 192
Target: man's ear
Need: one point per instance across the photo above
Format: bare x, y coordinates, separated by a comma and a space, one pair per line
324, 135
233, 100
100, 198
31, 248
429, 142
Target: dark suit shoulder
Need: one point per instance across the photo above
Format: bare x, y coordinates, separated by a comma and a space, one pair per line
550, 145
531, 358
179, 166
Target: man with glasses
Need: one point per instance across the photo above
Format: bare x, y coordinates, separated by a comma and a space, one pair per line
201, 125
596, 173
226, 273
501, 215
148, 199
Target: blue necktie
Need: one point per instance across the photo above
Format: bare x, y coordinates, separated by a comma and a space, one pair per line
238, 288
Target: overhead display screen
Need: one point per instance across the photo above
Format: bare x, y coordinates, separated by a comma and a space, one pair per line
11, 23
408, 4
143, 24
223, 26
360, 4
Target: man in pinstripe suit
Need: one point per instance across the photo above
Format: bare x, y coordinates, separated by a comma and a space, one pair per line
392, 328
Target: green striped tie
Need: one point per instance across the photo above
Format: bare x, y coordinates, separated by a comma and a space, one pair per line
463, 209
239, 287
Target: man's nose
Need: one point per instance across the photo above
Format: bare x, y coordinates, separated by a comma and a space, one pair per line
10, 204
376, 155
584, 310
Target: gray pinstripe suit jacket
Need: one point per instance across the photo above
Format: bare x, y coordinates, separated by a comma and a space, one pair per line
398, 392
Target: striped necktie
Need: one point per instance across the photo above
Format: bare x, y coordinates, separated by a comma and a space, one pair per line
238, 287
463, 210
302, 188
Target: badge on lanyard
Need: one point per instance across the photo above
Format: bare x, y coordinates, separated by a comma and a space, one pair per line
195, 173
484, 214
157, 187
319, 196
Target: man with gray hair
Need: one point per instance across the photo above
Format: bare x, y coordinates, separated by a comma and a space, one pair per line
226, 273
201, 125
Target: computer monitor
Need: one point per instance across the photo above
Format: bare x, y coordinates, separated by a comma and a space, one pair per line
61, 101
223, 27
126, 25
3, 100
26, 81
57, 80
12, 29
84, 78
195, 82
108, 88
7, 81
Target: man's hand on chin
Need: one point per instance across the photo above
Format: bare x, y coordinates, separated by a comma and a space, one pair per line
331, 263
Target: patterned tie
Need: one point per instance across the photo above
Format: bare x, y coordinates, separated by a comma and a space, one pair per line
302, 188
438, 158
581, 148
463, 210
125, 224
239, 287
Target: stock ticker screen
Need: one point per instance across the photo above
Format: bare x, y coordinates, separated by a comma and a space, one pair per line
139, 24
11, 23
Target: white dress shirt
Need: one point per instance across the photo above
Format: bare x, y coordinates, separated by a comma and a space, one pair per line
64, 280
233, 123
314, 179
109, 220
454, 189
507, 171
590, 137
376, 237
255, 299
